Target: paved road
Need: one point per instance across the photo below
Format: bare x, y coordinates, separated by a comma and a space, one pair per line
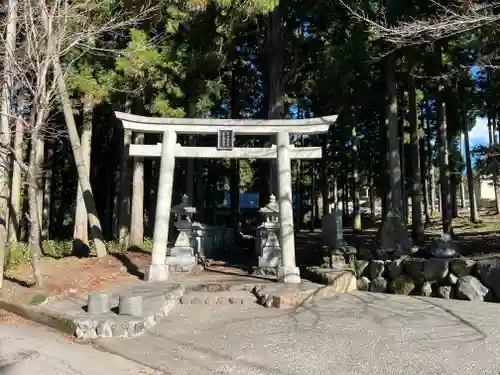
351, 334
34, 350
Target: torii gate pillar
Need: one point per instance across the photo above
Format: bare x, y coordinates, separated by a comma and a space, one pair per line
288, 272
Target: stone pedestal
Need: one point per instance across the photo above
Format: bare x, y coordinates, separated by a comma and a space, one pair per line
289, 275
156, 272
270, 256
98, 303
333, 230
267, 240
182, 254
130, 305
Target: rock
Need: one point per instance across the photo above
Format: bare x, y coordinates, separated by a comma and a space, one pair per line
451, 279
394, 269
197, 269
363, 284
470, 289
221, 301
426, 290
348, 250
489, 272
342, 282
360, 266
105, 329
365, 254
444, 291
210, 300
462, 267
135, 327
414, 267
86, 329
119, 329
435, 269
376, 269
378, 285
403, 285
382, 254
337, 260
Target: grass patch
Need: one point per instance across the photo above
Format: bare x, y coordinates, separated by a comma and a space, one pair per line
19, 253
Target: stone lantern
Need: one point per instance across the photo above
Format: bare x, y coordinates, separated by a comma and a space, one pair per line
182, 254
267, 243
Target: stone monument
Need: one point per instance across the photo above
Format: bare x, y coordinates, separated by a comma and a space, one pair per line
333, 230
182, 254
267, 238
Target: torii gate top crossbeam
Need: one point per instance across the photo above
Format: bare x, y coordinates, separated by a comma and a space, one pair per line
146, 124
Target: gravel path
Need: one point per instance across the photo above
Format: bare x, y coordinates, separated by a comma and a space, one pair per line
351, 334
29, 349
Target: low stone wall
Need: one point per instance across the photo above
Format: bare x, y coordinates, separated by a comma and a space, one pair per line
458, 278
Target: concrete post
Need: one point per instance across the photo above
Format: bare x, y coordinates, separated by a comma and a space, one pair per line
288, 272
158, 270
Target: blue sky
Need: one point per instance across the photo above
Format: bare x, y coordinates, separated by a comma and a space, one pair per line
479, 133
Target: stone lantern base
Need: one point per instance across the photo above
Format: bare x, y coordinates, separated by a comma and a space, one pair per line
182, 254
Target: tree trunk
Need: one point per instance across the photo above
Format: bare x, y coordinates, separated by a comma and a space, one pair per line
442, 142
325, 186
396, 205
474, 217
275, 84
40, 179
81, 166
137, 219
47, 189
125, 189
355, 181
371, 183
401, 137
5, 159
17, 177
431, 172
298, 190
417, 225
461, 175
80, 234
35, 227
492, 145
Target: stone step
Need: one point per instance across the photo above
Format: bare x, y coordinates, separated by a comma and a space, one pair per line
236, 297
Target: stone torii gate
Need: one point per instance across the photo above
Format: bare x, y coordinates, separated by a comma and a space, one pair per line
225, 129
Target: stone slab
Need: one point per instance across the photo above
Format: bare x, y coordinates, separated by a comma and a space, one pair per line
285, 296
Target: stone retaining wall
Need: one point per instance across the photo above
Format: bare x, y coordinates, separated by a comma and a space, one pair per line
458, 278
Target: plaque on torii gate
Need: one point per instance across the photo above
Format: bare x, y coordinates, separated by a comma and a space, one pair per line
225, 129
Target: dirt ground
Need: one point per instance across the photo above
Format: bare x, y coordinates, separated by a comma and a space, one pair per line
69, 277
